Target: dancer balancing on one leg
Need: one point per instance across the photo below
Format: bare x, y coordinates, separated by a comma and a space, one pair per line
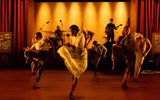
74, 55
38, 55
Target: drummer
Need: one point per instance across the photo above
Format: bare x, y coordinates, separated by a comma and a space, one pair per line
58, 34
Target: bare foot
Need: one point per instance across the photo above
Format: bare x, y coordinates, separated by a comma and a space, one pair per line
71, 97
124, 86
35, 86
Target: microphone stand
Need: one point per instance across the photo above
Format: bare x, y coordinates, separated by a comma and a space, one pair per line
61, 24
43, 25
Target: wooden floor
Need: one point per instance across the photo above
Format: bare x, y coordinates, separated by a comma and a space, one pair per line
56, 84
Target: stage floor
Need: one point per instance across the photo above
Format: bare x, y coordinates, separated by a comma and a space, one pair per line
56, 85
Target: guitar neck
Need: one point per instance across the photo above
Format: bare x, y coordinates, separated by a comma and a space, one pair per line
118, 25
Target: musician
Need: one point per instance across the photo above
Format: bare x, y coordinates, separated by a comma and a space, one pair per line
58, 33
109, 30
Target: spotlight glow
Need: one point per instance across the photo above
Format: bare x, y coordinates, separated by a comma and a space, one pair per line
59, 13
75, 14
104, 14
90, 17
121, 15
43, 16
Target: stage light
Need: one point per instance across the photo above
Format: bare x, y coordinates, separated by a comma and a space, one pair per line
121, 14
105, 13
59, 13
75, 15
43, 15
90, 17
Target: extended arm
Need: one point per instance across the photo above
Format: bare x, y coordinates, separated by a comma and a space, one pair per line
149, 46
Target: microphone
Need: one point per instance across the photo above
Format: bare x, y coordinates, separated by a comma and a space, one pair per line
47, 22
61, 23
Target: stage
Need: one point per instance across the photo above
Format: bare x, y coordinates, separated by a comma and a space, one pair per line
56, 85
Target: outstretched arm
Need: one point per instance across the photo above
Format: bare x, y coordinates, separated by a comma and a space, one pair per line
105, 51
149, 46
89, 37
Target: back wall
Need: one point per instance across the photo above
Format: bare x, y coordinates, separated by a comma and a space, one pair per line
93, 16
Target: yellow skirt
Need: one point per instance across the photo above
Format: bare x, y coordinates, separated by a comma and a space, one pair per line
76, 60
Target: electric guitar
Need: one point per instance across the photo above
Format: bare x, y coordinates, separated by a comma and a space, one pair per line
109, 30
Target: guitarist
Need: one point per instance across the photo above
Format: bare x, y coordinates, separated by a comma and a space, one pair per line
109, 30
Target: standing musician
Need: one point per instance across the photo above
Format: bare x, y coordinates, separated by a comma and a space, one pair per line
109, 30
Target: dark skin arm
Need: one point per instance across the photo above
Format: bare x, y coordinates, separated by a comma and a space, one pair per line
32, 50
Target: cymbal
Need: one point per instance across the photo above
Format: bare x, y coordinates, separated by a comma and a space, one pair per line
63, 30
104, 36
48, 31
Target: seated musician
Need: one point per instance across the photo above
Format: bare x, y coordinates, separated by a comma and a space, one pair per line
58, 33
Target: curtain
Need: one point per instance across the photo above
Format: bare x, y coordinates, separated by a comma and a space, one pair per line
148, 17
148, 23
14, 19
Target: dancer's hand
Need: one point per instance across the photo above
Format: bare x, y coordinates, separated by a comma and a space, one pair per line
144, 54
70, 45
27, 49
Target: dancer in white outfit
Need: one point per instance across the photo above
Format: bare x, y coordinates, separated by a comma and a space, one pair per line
75, 55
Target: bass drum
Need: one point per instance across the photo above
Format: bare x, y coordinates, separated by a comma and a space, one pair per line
54, 42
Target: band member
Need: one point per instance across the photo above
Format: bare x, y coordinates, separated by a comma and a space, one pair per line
58, 33
143, 46
38, 55
98, 51
109, 30
75, 55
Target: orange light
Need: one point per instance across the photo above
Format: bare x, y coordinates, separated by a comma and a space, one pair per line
59, 13
43, 16
94, 16
90, 17
104, 14
121, 16
75, 15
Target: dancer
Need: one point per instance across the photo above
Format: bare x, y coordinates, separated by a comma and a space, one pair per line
39, 55
117, 50
128, 44
75, 55
33, 64
143, 46
98, 51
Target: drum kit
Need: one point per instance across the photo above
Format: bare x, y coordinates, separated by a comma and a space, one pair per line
52, 36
